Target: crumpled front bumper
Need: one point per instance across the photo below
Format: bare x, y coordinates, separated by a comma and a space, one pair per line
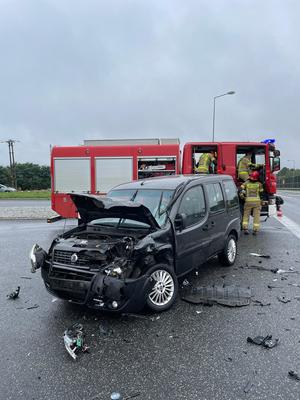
96, 290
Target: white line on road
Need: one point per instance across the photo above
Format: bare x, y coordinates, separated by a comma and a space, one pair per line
289, 224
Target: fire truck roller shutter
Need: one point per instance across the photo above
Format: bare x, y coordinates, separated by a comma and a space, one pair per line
72, 174
111, 171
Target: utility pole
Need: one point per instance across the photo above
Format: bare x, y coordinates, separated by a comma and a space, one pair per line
12, 164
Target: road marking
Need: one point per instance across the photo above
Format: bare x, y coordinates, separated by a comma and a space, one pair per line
289, 224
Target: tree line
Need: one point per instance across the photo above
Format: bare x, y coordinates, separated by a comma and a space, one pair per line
29, 176
288, 178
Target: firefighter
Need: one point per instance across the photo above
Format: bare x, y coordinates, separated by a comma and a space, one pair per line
251, 192
206, 163
244, 166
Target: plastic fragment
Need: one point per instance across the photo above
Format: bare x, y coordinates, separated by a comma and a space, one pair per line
265, 341
249, 385
115, 396
294, 375
14, 294
131, 396
260, 255
283, 299
230, 296
74, 340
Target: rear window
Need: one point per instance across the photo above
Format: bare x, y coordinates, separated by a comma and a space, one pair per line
231, 194
215, 197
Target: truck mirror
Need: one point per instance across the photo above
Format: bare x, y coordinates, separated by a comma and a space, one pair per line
179, 222
276, 164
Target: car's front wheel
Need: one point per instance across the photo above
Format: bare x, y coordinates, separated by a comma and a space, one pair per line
229, 253
163, 293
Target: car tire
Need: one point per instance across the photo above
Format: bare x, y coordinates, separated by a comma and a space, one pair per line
229, 253
163, 293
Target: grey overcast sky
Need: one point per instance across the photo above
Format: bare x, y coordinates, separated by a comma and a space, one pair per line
74, 70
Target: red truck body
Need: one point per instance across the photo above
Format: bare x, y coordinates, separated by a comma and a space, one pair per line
99, 166
96, 169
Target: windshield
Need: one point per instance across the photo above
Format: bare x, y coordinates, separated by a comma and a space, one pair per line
155, 200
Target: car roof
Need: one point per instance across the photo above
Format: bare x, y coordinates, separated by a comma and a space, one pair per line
170, 182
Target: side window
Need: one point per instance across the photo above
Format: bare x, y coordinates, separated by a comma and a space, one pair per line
215, 197
193, 205
231, 194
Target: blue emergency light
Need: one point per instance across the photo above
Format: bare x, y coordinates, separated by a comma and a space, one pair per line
268, 141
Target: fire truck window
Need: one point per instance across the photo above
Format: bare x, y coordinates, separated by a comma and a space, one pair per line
260, 159
149, 167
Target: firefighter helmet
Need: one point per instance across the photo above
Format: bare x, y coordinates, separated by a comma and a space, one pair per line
254, 176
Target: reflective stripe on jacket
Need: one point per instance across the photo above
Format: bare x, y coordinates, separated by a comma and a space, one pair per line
253, 190
204, 163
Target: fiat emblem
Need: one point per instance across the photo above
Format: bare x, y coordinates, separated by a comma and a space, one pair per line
74, 258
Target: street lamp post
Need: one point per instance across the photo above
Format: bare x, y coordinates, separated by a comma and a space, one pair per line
294, 169
214, 111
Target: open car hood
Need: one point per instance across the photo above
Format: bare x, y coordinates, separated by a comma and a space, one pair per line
92, 207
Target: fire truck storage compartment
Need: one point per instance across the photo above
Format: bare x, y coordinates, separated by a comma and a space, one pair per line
111, 171
72, 174
149, 167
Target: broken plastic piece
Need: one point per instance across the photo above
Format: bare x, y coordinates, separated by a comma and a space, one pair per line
294, 375
14, 294
260, 255
249, 385
74, 340
266, 341
231, 296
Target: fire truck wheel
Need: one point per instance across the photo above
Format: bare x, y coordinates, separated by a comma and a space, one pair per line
229, 253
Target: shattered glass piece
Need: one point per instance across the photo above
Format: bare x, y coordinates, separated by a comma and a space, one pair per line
283, 299
249, 385
294, 375
185, 283
14, 294
115, 396
260, 255
231, 296
105, 330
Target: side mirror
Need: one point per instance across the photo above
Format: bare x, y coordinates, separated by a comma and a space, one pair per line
179, 222
276, 164
276, 153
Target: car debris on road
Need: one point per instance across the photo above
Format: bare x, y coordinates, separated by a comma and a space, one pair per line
265, 341
74, 340
283, 299
260, 255
294, 375
231, 296
14, 294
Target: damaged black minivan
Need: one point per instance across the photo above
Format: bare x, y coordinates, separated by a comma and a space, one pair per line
131, 246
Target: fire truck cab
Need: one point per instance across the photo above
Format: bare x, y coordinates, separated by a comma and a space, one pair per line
99, 165
228, 154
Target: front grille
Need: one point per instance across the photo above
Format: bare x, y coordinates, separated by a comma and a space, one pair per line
66, 274
64, 257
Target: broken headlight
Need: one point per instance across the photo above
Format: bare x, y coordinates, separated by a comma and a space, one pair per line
37, 257
114, 271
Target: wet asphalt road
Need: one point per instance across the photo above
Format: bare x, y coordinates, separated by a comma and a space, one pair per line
181, 355
291, 207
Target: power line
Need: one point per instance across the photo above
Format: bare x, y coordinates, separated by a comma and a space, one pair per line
12, 163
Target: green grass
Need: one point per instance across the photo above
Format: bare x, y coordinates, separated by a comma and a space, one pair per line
30, 194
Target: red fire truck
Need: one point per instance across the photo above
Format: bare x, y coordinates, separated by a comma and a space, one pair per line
99, 165
228, 155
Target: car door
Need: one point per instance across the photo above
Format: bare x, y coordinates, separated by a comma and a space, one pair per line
232, 204
192, 242
217, 217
